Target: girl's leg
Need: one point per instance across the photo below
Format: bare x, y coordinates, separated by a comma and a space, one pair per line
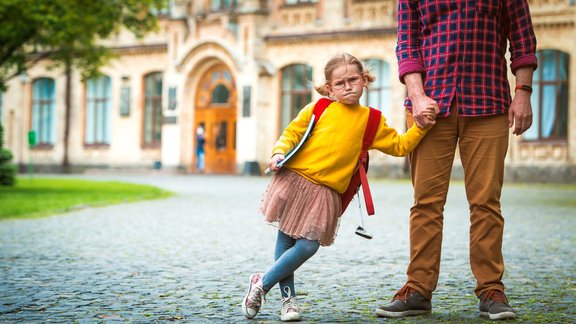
290, 255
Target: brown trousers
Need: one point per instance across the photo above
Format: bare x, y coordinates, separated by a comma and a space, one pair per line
483, 142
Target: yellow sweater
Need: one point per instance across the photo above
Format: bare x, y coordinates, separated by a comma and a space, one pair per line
330, 155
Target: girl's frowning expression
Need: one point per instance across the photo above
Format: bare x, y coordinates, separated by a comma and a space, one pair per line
347, 84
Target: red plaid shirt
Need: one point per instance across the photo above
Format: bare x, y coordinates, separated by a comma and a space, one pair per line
459, 47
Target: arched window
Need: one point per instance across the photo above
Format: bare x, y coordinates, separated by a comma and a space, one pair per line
98, 93
153, 109
296, 91
378, 95
550, 97
43, 114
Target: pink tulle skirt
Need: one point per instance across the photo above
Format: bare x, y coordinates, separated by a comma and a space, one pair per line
302, 209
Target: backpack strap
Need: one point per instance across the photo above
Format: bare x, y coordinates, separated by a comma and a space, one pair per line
319, 108
367, 140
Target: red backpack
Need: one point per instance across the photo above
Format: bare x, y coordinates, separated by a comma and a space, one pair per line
359, 177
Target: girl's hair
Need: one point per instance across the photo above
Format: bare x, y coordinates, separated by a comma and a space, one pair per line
341, 59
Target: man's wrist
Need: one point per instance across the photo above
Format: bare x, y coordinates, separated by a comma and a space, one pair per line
523, 87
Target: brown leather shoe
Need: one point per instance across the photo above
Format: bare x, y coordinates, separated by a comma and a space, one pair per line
407, 302
494, 305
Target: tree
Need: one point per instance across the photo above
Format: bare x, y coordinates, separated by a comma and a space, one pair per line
68, 34
7, 169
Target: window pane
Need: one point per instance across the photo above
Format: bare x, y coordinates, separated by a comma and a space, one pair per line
43, 110
220, 94
550, 97
296, 91
549, 68
153, 109
97, 110
221, 136
548, 114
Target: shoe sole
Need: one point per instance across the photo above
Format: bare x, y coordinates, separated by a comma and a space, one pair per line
244, 308
384, 313
290, 317
499, 316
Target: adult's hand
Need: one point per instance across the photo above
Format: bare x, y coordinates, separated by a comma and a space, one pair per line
520, 113
420, 110
420, 101
272, 164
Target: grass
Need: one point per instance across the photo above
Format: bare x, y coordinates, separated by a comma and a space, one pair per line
38, 197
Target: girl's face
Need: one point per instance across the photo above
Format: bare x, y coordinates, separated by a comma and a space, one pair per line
347, 84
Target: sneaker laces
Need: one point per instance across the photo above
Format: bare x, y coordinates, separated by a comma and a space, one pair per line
257, 295
290, 304
497, 296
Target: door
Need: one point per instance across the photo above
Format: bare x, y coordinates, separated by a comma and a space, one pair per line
216, 114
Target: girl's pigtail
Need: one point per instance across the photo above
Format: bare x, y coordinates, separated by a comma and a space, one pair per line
323, 90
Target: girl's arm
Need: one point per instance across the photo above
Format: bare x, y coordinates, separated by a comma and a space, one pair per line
389, 141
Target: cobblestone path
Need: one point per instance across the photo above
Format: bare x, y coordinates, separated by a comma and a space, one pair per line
188, 258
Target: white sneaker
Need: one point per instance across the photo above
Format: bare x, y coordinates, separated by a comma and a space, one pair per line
290, 308
255, 298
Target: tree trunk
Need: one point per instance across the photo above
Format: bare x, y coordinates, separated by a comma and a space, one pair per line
68, 109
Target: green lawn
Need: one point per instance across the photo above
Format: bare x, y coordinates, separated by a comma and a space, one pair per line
38, 197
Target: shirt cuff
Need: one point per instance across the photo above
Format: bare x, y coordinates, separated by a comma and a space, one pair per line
524, 61
410, 66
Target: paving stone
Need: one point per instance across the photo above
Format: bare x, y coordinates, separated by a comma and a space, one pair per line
188, 258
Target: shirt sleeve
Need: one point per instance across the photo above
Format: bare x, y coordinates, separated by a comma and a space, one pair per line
294, 132
387, 139
408, 45
521, 35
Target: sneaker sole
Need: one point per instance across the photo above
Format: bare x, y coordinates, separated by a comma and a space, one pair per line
384, 313
244, 308
290, 317
499, 316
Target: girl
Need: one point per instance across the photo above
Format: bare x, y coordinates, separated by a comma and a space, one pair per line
303, 197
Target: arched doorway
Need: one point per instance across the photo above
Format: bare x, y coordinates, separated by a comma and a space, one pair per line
216, 114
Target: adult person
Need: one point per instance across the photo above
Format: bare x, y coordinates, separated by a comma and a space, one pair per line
200, 153
451, 54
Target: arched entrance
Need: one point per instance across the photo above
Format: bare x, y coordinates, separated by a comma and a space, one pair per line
216, 113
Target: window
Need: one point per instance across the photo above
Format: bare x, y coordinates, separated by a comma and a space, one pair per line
296, 91
98, 111
379, 93
125, 101
295, 2
221, 5
43, 106
153, 109
220, 94
550, 97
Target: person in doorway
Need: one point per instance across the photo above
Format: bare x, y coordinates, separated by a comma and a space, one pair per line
200, 153
303, 197
452, 54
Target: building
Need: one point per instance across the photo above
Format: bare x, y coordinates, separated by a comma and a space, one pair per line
241, 70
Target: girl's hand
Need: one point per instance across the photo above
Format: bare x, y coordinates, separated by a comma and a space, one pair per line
274, 161
430, 114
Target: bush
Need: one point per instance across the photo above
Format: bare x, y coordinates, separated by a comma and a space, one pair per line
7, 169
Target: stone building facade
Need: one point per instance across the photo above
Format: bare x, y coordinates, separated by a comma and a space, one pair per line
241, 70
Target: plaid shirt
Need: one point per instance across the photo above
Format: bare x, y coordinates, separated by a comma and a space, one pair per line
459, 46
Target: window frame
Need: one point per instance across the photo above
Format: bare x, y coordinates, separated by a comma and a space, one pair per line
538, 98
382, 86
101, 105
153, 116
294, 95
45, 139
